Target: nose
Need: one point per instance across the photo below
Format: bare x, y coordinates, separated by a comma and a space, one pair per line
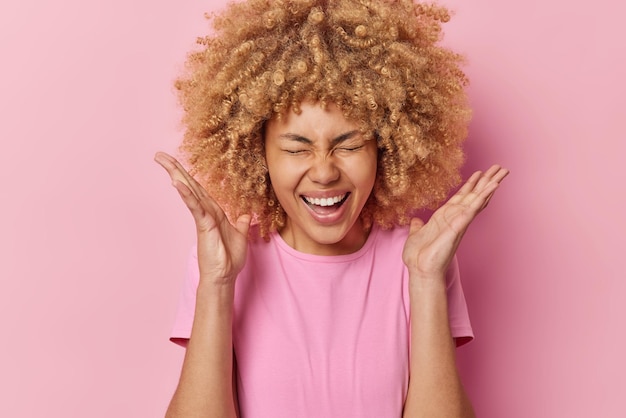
323, 170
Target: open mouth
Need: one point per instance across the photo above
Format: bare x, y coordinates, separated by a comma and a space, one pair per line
325, 205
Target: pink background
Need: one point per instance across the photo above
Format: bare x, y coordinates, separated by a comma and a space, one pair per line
94, 240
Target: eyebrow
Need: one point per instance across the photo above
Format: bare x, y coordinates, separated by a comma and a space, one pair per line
338, 140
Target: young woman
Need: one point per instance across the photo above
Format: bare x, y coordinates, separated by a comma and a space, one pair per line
325, 125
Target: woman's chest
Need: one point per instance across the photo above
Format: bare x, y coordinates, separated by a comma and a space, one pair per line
335, 346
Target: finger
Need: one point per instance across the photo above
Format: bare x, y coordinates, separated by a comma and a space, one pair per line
467, 195
495, 173
495, 177
486, 178
484, 186
176, 172
191, 201
194, 185
165, 160
491, 171
475, 199
205, 210
206, 200
485, 196
243, 224
416, 225
487, 201
469, 184
500, 175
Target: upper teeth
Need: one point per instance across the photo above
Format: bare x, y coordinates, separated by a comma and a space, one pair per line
328, 201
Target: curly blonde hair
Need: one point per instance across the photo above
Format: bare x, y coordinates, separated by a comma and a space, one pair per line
378, 60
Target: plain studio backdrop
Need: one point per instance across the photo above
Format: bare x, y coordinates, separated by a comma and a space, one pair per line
94, 239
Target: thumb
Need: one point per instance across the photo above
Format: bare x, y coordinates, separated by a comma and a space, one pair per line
243, 224
416, 225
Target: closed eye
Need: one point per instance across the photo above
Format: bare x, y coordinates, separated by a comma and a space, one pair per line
351, 148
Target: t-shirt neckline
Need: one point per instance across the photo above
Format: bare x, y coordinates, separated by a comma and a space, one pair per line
283, 246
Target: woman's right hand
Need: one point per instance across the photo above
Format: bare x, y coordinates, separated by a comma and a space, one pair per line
221, 246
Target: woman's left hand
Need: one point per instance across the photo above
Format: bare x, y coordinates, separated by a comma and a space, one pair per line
430, 247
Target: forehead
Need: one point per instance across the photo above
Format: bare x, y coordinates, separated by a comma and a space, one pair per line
313, 122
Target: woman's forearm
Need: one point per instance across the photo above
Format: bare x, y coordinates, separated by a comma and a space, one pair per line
435, 388
205, 388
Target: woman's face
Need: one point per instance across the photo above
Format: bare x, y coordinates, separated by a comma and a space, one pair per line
322, 170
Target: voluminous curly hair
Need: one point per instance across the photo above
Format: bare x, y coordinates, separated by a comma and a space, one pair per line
378, 60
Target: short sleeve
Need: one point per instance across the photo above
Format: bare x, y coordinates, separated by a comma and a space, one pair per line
187, 302
460, 325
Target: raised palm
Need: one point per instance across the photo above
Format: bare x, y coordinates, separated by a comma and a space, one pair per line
430, 247
222, 246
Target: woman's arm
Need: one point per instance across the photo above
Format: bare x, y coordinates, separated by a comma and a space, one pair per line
206, 387
435, 389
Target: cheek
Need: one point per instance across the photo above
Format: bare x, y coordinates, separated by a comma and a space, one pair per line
284, 175
365, 172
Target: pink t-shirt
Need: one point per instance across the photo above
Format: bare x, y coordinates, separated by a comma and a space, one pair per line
323, 336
